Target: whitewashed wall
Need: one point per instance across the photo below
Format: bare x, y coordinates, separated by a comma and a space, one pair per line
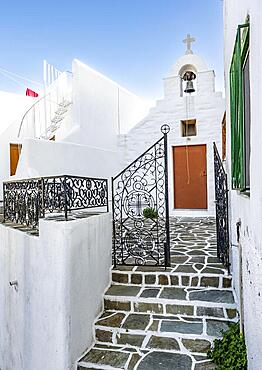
62, 275
12, 108
101, 109
59, 158
248, 210
207, 107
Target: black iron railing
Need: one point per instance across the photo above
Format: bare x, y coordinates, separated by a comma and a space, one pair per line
221, 200
25, 201
143, 184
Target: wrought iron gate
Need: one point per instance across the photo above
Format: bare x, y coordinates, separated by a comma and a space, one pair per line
138, 240
221, 195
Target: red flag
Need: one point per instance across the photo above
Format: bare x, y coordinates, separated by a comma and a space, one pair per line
30, 92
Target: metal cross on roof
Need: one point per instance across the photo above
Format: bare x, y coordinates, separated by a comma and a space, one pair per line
189, 40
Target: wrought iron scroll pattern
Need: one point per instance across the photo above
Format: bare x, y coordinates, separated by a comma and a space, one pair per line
137, 240
221, 195
25, 201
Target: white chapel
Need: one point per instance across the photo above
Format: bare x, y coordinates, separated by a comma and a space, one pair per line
194, 110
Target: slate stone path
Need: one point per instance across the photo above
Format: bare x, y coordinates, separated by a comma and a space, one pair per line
158, 319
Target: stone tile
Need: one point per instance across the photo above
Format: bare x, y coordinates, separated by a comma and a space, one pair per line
109, 358
227, 282
209, 270
196, 252
231, 313
181, 327
147, 293
215, 328
174, 280
157, 342
179, 259
165, 361
113, 321
103, 335
115, 305
179, 309
136, 279
148, 307
154, 325
134, 360
130, 339
136, 321
196, 345
120, 278
123, 290
197, 260
207, 281
194, 281
210, 311
185, 280
162, 280
217, 296
185, 268
150, 279
173, 293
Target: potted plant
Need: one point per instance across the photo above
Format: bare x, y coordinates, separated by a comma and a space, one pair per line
150, 213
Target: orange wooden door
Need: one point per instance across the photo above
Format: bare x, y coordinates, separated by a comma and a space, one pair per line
190, 178
15, 150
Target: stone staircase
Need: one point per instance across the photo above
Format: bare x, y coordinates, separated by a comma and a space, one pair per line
158, 319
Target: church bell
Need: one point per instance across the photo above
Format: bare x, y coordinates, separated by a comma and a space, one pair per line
189, 76
189, 87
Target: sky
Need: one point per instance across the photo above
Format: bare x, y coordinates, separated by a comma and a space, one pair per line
134, 42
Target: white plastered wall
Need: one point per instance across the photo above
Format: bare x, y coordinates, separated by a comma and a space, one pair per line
101, 109
47, 323
242, 208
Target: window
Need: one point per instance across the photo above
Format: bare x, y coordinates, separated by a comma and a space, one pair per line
188, 127
240, 111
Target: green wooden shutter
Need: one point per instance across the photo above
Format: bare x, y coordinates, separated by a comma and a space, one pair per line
236, 107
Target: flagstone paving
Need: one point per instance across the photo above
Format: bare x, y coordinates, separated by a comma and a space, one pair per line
158, 319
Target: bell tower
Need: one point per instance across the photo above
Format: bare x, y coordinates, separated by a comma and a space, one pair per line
189, 75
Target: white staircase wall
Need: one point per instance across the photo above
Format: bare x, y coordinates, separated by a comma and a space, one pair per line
62, 275
101, 109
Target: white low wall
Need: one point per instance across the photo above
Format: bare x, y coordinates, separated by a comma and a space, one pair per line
62, 275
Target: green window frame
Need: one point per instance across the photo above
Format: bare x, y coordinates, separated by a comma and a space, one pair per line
239, 160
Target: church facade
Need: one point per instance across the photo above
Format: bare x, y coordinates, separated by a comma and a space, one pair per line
194, 111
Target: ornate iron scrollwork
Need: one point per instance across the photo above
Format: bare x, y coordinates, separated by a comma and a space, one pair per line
25, 201
221, 194
143, 184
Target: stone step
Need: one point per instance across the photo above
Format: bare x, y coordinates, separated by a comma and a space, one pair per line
160, 299
115, 357
172, 279
137, 329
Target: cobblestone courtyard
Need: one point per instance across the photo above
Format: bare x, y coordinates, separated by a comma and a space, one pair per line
158, 319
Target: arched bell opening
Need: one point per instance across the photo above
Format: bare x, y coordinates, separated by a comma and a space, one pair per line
188, 76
